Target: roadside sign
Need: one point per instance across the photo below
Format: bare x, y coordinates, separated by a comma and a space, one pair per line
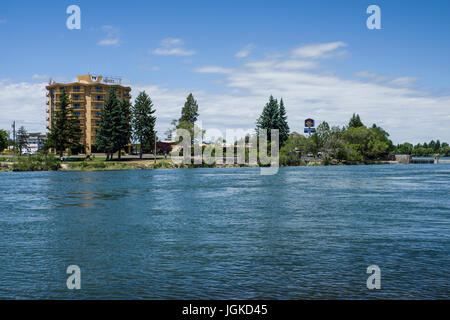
310, 130
309, 123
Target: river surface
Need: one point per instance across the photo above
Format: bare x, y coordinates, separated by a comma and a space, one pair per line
304, 233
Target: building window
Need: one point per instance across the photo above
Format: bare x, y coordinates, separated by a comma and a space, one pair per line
98, 89
76, 106
61, 89
99, 98
76, 89
76, 114
98, 106
76, 97
98, 114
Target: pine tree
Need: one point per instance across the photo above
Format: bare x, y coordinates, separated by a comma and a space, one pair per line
143, 121
3, 140
283, 124
270, 117
22, 139
107, 134
355, 122
65, 132
124, 125
189, 113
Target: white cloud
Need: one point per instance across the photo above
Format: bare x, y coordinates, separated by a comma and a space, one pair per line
40, 77
213, 69
23, 102
169, 42
172, 47
320, 50
173, 52
108, 42
403, 81
244, 52
371, 76
295, 65
112, 36
406, 113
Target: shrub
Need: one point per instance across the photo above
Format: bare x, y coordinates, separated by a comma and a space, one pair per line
37, 163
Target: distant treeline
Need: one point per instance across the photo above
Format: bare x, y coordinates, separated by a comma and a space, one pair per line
433, 148
351, 144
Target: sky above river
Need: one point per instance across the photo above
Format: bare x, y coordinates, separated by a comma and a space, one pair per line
319, 56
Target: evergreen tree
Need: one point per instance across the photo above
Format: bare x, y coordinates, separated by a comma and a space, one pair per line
3, 140
107, 135
355, 121
270, 117
124, 125
143, 121
189, 113
283, 124
65, 132
22, 139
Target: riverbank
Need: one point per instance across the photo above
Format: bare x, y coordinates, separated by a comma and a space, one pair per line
100, 164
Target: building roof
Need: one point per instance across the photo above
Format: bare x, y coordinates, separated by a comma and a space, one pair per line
90, 79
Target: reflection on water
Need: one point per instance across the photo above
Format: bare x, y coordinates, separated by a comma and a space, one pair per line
227, 233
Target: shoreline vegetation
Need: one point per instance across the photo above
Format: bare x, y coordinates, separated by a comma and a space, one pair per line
52, 163
122, 123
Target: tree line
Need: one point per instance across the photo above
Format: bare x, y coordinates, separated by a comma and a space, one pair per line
432, 148
352, 143
120, 122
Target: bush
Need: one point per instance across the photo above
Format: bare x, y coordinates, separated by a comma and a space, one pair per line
37, 163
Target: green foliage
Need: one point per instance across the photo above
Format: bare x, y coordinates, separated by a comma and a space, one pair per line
3, 140
432, 148
269, 118
295, 147
107, 135
274, 116
37, 163
65, 132
22, 139
283, 124
404, 148
355, 121
354, 144
123, 126
189, 112
143, 121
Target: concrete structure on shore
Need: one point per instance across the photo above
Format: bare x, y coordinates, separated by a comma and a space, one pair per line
408, 159
87, 97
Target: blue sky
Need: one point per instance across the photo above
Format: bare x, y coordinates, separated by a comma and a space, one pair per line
318, 55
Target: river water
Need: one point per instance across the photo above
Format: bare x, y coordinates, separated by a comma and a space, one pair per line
304, 233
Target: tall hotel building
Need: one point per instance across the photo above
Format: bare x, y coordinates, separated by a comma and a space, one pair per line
87, 97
